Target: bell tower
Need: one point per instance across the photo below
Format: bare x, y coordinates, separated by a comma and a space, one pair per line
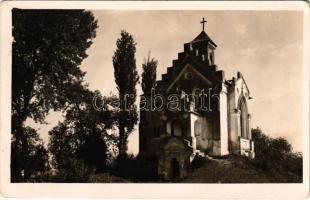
204, 46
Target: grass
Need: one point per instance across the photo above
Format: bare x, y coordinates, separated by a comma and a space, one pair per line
237, 169
230, 169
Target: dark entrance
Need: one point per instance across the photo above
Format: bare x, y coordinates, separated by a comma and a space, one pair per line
175, 169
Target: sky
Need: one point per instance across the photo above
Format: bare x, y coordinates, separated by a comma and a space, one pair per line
265, 46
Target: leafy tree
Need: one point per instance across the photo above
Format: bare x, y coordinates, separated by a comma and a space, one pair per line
39, 159
262, 142
48, 47
267, 146
126, 78
83, 136
281, 145
275, 155
149, 75
36, 155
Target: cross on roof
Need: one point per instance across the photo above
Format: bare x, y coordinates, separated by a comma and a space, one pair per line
203, 23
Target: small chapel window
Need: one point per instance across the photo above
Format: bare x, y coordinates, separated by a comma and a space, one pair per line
203, 57
197, 52
191, 47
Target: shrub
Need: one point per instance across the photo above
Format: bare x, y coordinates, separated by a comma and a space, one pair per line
136, 168
275, 155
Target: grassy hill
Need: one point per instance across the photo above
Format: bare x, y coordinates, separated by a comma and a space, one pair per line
275, 162
229, 169
237, 169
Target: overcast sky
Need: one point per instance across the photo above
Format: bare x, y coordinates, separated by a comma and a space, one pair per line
265, 46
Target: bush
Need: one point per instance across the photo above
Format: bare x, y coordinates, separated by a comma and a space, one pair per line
136, 169
275, 155
76, 171
106, 178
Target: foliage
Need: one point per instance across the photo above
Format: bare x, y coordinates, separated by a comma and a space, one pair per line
125, 166
136, 169
36, 155
149, 75
83, 135
198, 162
126, 78
107, 178
46, 59
79, 172
275, 154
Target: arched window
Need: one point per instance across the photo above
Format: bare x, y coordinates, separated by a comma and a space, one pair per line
244, 122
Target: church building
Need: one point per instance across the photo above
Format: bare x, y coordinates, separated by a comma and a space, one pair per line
197, 112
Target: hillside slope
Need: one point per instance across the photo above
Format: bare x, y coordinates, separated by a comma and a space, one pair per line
230, 169
236, 169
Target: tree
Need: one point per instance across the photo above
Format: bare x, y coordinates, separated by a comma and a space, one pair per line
36, 156
126, 78
149, 75
46, 58
271, 147
82, 138
276, 155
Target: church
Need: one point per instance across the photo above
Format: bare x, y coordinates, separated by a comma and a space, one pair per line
210, 118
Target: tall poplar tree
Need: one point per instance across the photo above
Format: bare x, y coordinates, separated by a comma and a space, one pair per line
126, 78
149, 75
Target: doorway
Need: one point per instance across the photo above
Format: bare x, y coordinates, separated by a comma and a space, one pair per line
175, 169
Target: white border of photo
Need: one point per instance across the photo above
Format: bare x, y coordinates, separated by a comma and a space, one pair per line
148, 190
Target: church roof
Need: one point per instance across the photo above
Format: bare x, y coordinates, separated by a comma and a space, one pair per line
194, 54
203, 36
